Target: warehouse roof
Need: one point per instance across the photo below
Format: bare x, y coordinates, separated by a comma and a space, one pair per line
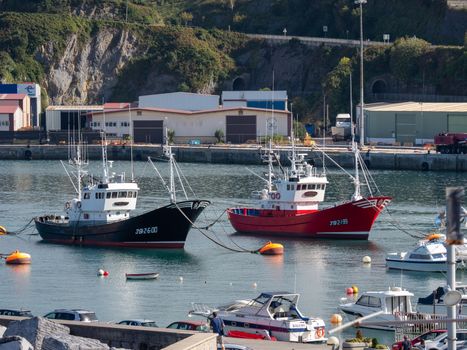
12, 96
177, 111
8, 109
418, 107
75, 108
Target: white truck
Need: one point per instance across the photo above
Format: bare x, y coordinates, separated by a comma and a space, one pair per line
341, 132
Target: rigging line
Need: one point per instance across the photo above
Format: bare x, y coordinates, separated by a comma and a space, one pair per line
251, 171
332, 160
205, 235
397, 225
179, 177
184, 178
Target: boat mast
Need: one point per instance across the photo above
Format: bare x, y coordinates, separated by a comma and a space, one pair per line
171, 163
130, 133
294, 156
356, 195
104, 151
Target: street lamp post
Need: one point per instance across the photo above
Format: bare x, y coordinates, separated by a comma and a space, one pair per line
362, 124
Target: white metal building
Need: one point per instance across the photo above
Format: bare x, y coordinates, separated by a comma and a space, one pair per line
68, 117
239, 124
180, 100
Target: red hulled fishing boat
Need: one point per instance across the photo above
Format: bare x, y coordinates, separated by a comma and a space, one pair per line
289, 205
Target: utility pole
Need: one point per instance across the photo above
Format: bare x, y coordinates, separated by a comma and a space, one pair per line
362, 123
454, 237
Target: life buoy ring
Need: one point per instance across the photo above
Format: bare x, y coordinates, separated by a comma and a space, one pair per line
67, 205
319, 333
78, 204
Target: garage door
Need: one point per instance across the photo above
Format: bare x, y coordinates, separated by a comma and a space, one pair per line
148, 131
405, 128
240, 128
457, 123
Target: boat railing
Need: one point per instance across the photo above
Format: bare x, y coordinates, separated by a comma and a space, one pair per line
421, 323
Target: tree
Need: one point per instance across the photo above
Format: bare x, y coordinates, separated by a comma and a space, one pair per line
186, 17
405, 57
170, 135
219, 135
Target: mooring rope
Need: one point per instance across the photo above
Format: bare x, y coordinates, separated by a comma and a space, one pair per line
211, 239
21, 230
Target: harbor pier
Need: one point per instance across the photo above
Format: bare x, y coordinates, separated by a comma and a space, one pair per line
375, 158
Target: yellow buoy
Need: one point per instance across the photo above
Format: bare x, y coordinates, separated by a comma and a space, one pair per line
18, 257
336, 319
355, 289
271, 249
2, 230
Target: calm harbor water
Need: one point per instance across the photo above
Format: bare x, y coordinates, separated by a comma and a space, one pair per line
320, 270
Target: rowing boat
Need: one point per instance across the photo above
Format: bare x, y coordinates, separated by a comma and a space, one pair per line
142, 276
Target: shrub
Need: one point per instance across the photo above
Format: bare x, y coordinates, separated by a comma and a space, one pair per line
219, 135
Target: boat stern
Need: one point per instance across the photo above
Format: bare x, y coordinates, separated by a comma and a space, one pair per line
311, 331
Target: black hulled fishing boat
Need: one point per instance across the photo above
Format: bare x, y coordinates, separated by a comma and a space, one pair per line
100, 214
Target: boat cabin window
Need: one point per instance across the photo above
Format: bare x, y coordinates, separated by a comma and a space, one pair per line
108, 194
99, 195
114, 194
292, 187
130, 194
397, 304
288, 187
438, 256
311, 187
87, 195
121, 194
369, 301
419, 256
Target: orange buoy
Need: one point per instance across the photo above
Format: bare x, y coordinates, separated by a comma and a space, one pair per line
271, 249
349, 290
18, 257
106, 273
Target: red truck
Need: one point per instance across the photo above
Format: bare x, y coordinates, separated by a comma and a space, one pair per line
454, 143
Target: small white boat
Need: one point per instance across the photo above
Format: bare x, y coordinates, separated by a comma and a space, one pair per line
434, 302
142, 276
272, 314
393, 303
431, 256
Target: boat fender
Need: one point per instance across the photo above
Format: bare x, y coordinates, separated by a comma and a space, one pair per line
67, 205
278, 196
78, 204
273, 196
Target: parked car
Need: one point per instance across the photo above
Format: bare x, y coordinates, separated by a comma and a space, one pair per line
9, 312
441, 341
139, 322
430, 335
234, 347
72, 315
200, 326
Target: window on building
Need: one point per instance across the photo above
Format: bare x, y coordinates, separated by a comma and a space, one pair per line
139, 113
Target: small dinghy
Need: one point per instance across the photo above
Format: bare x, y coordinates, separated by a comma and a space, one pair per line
142, 276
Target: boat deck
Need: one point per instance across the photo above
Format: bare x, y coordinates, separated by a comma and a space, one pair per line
275, 345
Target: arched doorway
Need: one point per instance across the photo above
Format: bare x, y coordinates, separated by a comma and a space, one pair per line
379, 87
238, 84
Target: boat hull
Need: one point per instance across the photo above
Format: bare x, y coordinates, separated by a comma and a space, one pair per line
141, 276
428, 266
165, 227
352, 220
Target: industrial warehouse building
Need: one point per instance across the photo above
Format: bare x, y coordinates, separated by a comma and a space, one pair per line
14, 112
33, 108
194, 118
412, 123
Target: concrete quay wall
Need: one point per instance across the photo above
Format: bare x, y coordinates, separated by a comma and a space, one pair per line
137, 338
375, 159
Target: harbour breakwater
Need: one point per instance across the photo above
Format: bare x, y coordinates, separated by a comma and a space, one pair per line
374, 158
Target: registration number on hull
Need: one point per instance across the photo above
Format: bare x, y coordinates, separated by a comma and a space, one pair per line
146, 230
